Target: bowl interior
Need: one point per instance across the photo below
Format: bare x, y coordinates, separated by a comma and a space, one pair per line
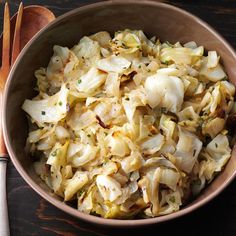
166, 22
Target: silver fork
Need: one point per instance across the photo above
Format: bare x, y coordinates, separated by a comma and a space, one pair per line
4, 71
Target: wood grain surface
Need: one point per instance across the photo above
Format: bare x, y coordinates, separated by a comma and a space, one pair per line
32, 215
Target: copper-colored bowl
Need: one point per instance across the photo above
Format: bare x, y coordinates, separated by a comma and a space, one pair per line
165, 21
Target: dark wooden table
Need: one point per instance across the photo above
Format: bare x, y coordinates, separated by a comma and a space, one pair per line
32, 215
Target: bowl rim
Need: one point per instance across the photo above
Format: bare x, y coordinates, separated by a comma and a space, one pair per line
60, 204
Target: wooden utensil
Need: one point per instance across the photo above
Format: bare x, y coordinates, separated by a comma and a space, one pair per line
26, 26
4, 71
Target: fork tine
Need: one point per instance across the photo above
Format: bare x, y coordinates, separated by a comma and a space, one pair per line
16, 40
6, 39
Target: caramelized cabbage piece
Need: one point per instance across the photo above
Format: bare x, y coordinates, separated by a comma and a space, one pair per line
129, 126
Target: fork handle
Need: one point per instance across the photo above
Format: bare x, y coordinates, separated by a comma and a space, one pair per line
4, 222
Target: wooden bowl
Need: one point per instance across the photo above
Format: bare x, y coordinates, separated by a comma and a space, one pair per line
165, 21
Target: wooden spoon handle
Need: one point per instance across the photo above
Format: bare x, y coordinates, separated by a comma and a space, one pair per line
4, 222
3, 150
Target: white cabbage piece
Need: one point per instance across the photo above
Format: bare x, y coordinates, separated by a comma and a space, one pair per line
61, 132
79, 120
127, 191
132, 162
155, 162
35, 135
168, 147
144, 184
215, 156
47, 143
154, 178
165, 91
187, 150
167, 126
188, 114
213, 74
102, 37
88, 50
152, 144
86, 205
134, 176
117, 145
170, 178
207, 169
57, 159
67, 172
73, 185
190, 44
51, 109
213, 100
212, 59
112, 85
109, 188
131, 40
213, 126
170, 202
57, 63
90, 81
132, 100
108, 110
42, 81
57, 156
113, 63
168, 71
219, 150
80, 154
181, 55
55, 180
227, 88
126, 42
144, 123
193, 84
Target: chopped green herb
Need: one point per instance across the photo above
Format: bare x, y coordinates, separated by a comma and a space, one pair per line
216, 144
54, 153
139, 66
172, 199
81, 192
60, 103
43, 113
79, 81
127, 99
88, 135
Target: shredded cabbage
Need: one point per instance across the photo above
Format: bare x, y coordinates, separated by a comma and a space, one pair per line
127, 125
